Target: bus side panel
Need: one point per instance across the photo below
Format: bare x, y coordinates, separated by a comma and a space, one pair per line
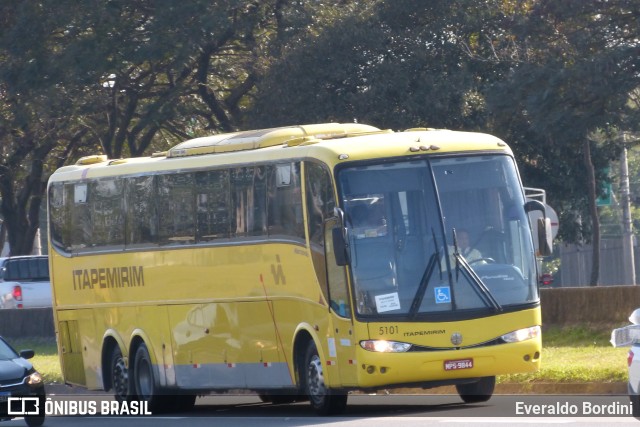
78, 347
227, 345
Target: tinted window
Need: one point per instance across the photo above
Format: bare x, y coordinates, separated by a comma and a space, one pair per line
23, 269
212, 205
284, 201
59, 230
107, 213
176, 206
248, 202
141, 219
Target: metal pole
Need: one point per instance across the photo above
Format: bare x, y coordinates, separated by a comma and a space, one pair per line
627, 232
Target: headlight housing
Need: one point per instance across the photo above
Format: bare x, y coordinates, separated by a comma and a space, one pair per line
34, 379
383, 346
522, 334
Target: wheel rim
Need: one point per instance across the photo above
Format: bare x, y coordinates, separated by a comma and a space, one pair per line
144, 379
317, 389
120, 377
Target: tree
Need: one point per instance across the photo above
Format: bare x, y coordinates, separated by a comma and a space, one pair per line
572, 75
543, 75
122, 78
35, 116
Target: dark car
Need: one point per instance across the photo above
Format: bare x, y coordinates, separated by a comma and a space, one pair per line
21, 386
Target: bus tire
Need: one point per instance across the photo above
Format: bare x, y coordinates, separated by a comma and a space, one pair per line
280, 397
182, 402
119, 376
479, 391
324, 401
144, 381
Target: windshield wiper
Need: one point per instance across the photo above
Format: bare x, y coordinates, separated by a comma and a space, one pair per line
422, 287
475, 279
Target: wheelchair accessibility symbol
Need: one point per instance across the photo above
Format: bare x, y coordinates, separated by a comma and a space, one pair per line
443, 295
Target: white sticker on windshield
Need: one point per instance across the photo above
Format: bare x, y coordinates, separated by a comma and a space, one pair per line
387, 302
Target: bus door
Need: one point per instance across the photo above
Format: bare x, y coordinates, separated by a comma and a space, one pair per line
341, 343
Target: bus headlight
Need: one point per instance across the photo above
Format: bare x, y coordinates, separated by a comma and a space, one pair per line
382, 346
522, 334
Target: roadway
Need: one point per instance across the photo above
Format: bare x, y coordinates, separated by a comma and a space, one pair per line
370, 411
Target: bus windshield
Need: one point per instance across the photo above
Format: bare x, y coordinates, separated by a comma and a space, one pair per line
441, 238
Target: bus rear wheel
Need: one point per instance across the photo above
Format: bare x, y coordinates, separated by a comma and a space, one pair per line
324, 401
479, 391
119, 376
144, 381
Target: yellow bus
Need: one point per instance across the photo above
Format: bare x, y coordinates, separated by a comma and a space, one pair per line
300, 262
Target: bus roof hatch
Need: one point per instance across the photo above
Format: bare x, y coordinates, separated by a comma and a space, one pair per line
251, 140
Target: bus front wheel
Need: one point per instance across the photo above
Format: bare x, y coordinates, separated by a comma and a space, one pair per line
324, 401
479, 391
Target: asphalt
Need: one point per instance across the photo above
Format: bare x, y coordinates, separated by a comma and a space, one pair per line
613, 388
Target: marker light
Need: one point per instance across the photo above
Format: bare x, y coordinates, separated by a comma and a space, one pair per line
522, 334
382, 346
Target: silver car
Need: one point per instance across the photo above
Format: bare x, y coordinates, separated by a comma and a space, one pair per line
24, 282
630, 336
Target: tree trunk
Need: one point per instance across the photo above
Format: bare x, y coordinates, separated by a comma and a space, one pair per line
593, 210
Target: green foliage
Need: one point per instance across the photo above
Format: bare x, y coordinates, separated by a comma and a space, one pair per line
128, 78
543, 75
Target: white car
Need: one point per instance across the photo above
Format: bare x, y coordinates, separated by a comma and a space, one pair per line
630, 336
24, 282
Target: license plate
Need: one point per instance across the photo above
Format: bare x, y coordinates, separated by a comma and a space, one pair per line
452, 365
4, 396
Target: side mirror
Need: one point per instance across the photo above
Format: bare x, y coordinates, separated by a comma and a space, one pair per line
27, 354
542, 227
545, 239
340, 247
339, 237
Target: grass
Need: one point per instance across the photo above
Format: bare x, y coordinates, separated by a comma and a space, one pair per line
577, 354
569, 355
46, 360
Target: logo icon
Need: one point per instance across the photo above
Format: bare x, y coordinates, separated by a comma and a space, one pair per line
456, 338
443, 295
23, 406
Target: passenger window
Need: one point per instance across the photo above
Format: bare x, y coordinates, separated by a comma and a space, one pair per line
284, 201
107, 212
176, 205
212, 205
141, 217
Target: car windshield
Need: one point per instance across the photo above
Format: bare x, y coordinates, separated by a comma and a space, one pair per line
6, 352
444, 237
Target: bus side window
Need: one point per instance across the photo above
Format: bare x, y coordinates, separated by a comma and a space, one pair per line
248, 201
320, 203
60, 229
284, 201
141, 218
81, 232
176, 205
320, 200
212, 205
107, 212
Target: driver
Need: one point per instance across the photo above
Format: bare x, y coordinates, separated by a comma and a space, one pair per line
464, 246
